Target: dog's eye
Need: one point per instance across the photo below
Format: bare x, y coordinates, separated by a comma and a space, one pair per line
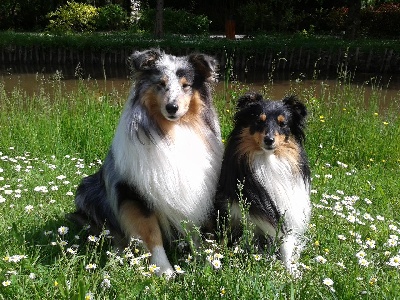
162, 83
186, 86
281, 123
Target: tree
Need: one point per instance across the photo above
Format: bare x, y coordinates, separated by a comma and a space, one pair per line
159, 32
353, 19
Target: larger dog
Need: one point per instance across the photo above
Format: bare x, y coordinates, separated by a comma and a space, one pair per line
165, 159
265, 162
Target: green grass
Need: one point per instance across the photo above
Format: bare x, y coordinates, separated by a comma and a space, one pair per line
50, 140
127, 40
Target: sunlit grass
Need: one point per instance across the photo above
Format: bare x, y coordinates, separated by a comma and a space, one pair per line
48, 142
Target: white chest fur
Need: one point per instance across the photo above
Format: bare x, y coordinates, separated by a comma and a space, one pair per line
177, 177
287, 189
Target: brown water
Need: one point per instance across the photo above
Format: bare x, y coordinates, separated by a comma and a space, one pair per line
275, 86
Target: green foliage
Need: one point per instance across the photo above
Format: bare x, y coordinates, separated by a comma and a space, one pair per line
73, 17
176, 21
383, 20
111, 17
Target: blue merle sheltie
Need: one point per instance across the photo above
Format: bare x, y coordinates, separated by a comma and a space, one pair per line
163, 165
266, 164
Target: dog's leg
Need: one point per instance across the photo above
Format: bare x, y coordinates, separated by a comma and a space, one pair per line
146, 227
290, 253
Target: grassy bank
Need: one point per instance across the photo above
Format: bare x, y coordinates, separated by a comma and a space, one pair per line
50, 140
128, 40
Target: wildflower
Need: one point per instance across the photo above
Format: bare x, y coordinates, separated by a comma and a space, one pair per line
55, 283
380, 218
341, 237
208, 251
106, 283
392, 242
16, 258
328, 282
257, 257
351, 218
218, 256
28, 208
222, 291
89, 296
188, 259
341, 264
71, 251
41, 189
153, 268
316, 243
373, 280
394, 261
32, 276
361, 254
69, 193
6, 283
178, 269
370, 243
93, 239
216, 263
363, 262
61, 177
63, 230
90, 267
320, 259
63, 243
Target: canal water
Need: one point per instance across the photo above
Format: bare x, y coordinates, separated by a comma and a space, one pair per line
32, 79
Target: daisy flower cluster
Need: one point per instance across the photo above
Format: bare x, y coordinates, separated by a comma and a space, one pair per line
374, 238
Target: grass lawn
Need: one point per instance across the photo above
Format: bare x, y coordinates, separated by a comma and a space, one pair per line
49, 141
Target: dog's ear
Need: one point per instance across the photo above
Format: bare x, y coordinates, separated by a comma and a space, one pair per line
298, 109
204, 66
248, 99
142, 61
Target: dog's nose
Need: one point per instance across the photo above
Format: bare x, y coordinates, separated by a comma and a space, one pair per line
171, 108
269, 141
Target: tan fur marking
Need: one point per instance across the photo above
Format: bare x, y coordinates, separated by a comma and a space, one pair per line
263, 117
281, 119
250, 143
195, 107
134, 224
152, 102
193, 115
287, 149
183, 81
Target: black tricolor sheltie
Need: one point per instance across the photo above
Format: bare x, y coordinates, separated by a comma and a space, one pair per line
165, 158
266, 163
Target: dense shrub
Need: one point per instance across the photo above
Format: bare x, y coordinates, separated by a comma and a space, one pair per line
176, 21
382, 20
336, 20
111, 17
73, 17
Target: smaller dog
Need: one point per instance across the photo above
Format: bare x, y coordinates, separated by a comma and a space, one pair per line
265, 157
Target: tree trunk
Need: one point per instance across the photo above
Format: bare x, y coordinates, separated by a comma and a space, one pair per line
353, 19
159, 32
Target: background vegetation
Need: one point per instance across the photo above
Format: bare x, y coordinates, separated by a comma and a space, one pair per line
372, 18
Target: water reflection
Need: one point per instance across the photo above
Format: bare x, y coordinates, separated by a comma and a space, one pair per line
32, 80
